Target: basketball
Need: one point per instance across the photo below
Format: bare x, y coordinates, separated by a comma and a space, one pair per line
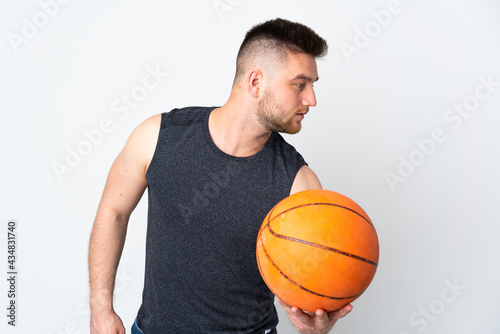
317, 249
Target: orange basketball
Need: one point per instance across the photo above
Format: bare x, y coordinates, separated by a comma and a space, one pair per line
317, 249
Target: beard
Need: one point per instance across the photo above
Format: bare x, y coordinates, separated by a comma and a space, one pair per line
273, 117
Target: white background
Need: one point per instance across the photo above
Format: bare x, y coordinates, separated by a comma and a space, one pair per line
437, 223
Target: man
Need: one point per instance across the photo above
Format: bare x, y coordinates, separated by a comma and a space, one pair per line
212, 175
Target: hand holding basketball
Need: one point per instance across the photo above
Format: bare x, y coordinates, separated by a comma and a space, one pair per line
319, 322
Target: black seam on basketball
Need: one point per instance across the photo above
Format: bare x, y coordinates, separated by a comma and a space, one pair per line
330, 204
334, 250
268, 220
297, 284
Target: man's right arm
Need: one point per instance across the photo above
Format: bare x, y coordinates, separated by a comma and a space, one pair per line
124, 188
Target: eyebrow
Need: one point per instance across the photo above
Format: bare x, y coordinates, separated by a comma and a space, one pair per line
305, 77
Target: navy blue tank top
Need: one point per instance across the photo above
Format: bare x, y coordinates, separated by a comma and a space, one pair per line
205, 211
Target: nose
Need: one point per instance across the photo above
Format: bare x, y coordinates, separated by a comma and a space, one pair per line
310, 98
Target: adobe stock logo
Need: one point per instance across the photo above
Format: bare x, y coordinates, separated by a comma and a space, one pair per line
425, 315
363, 36
367, 33
31, 26
223, 6
121, 107
453, 117
216, 182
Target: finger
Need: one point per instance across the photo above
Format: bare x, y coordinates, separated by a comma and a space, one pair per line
283, 304
338, 314
287, 307
322, 317
300, 315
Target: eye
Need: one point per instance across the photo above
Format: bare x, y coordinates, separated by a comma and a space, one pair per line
300, 85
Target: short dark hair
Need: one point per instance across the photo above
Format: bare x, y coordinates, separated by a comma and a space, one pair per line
280, 36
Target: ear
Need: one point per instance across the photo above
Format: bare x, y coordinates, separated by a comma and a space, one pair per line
254, 83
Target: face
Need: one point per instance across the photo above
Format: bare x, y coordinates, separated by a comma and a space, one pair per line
286, 101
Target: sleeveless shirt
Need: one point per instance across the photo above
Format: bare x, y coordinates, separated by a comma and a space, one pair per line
205, 208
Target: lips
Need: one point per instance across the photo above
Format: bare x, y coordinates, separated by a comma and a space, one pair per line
303, 113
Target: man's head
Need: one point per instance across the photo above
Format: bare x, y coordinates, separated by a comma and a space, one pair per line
269, 44
276, 65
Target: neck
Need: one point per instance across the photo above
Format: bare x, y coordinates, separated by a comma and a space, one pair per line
235, 130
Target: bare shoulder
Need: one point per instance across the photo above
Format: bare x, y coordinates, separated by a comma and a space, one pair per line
142, 142
148, 130
304, 180
127, 178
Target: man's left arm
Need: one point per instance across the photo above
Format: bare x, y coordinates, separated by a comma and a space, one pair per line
319, 322
304, 180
